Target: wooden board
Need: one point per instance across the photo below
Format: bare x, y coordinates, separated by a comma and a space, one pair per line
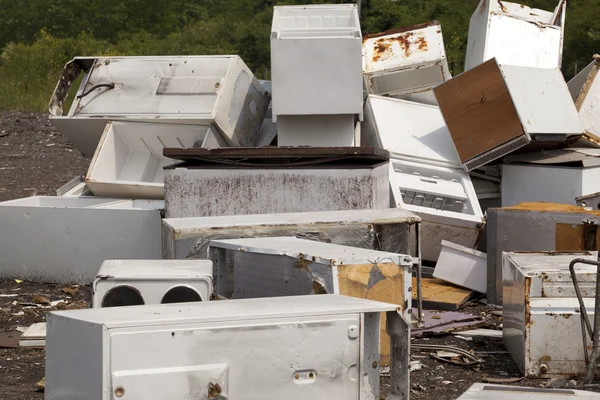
439, 295
478, 110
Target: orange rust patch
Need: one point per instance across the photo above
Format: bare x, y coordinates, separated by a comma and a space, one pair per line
556, 207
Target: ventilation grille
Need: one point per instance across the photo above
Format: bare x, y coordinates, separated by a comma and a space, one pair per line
495, 153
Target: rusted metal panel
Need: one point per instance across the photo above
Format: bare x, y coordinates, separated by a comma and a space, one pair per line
406, 61
515, 34
196, 90
284, 266
537, 292
526, 227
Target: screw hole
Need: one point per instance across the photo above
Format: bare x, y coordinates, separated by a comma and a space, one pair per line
311, 375
119, 391
297, 376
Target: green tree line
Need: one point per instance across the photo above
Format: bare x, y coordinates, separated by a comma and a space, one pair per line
37, 37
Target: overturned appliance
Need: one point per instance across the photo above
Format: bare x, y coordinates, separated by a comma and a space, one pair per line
531, 177
288, 266
585, 90
426, 176
316, 74
537, 312
590, 201
493, 110
66, 239
406, 63
238, 181
386, 230
194, 90
484, 391
129, 162
137, 282
536, 227
515, 34
326, 346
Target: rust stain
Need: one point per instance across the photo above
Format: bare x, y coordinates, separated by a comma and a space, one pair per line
481, 9
560, 315
302, 263
528, 321
408, 42
318, 288
545, 358
214, 390
502, 6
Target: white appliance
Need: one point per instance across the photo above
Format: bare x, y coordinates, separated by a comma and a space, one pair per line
585, 90
288, 266
495, 109
316, 74
485, 391
515, 34
462, 266
66, 239
295, 348
378, 229
194, 90
129, 161
406, 62
532, 177
540, 310
426, 176
137, 282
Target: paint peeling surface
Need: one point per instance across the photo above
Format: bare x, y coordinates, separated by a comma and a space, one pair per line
271, 267
406, 60
515, 35
540, 309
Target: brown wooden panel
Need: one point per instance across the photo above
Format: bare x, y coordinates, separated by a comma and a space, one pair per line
478, 110
569, 237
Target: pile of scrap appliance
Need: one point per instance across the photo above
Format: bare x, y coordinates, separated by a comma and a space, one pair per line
363, 173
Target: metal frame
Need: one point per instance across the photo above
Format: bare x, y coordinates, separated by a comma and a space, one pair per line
585, 319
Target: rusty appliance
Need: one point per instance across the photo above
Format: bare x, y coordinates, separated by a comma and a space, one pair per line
288, 266
540, 309
406, 63
241, 181
294, 348
536, 227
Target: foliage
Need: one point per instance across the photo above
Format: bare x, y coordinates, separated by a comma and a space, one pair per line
37, 37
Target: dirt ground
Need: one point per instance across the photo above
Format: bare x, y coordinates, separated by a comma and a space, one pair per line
36, 159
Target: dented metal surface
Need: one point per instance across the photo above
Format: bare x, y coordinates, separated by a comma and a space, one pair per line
405, 61
328, 347
287, 266
195, 90
516, 35
540, 309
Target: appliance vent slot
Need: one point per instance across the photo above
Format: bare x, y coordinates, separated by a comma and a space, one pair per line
496, 153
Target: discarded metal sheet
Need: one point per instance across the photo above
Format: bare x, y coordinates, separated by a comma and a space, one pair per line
65, 239
128, 162
492, 110
440, 295
385, 229
34, 336
590, 201
316, 60
194, 90
208, 349
136, 282
515, 34
405, 62
486, 391
530, 177
275, 180
443, 322
426, 176
536, 227
462, 266
527, 276
288, 266
586, 90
